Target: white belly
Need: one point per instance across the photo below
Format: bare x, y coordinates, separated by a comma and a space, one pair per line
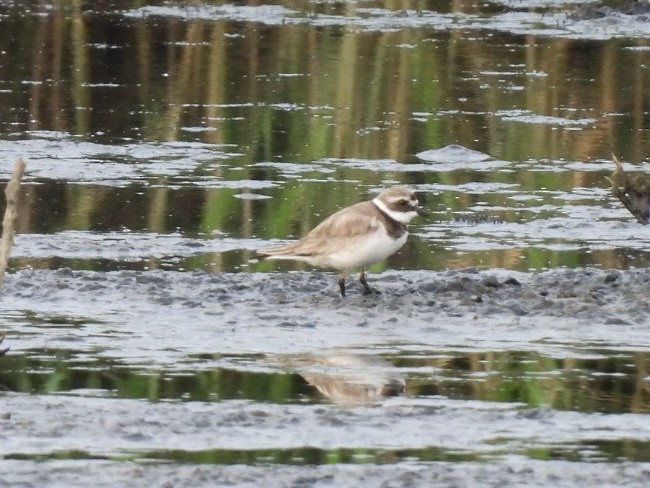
363, 252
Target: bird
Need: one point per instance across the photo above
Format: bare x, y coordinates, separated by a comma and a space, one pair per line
356, 236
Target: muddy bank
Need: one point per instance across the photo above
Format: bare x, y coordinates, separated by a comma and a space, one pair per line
597, 10
271, 322
583, 294
159, 317
438, 474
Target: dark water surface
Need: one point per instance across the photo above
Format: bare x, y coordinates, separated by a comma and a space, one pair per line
173, 139
256, 121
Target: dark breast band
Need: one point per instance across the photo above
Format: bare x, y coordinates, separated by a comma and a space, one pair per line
394, 228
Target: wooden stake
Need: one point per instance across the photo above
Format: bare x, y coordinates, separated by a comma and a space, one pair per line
12, 192
2, 338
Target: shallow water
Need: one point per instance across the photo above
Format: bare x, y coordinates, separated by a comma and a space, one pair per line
274, 369
166, 142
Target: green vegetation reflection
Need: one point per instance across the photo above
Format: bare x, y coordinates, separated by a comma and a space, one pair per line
614, 450
47, 371
606, 381
309, 456
584, 451
610, 381
322, 101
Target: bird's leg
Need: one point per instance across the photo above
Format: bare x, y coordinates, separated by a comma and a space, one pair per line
342, 276
362, 279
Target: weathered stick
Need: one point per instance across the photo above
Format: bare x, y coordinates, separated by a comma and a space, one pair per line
632, 190
2, 338
12, 192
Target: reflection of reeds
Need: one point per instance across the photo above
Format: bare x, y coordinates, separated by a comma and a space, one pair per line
81, 104
610, 384
369, 81
614, 382
353, 94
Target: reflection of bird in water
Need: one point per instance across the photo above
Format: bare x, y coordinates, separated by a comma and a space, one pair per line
351, 378
632, 191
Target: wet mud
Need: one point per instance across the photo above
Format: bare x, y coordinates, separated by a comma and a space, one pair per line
528, 473
599, 10
296, 323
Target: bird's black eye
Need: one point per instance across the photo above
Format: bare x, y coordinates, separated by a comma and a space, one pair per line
403, 202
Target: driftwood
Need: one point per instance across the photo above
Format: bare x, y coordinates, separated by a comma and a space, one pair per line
2, 338
12, 192
633, 191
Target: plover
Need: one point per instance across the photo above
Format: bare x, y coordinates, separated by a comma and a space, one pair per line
355, 236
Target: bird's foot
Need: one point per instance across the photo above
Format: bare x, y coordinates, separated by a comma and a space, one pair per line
370, 291
366, 287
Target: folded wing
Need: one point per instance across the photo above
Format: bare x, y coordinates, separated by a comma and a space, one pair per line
344, 226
